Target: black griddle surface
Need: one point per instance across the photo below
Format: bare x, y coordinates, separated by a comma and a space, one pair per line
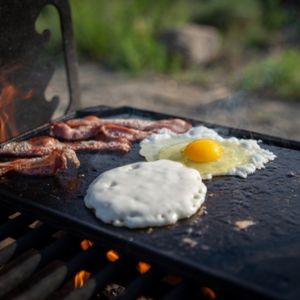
264, 258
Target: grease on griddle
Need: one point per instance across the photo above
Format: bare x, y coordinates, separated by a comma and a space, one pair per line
243, 224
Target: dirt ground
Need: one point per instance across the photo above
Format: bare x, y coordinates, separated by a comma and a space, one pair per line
218, 105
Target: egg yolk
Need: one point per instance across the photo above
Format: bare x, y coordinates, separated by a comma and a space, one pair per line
203, 150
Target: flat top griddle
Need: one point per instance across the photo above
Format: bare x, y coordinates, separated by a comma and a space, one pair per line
264, 258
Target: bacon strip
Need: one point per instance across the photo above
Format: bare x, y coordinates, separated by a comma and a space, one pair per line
120, 145
63, 131
88, 127
43, 145
85, 121
47, 165
115, 132
176, 125
37, 146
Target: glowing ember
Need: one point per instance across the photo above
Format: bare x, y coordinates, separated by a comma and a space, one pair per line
208, 293
143, 267
80, 278
112, 255
86, 244
172, 279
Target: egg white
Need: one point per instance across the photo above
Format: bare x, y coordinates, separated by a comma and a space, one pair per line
250, 156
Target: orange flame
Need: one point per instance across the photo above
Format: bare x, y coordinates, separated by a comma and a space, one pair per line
80, 278
28, 95
112, 255
143, 267
8, 95
86, 244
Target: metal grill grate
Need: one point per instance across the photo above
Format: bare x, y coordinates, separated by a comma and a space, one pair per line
39, 261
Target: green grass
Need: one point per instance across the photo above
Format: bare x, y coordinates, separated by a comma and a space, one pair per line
244, 23
124, 33
277, 75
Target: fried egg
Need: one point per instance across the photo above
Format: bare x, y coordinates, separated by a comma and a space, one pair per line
206, 151
146, 194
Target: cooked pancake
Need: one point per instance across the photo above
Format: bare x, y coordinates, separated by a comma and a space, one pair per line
146, 194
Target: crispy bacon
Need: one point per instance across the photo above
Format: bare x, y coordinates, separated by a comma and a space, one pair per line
176, 125
88, 127
115, 132
47, 165
37, 146
119, 145
43, 145
63, 131
85, 121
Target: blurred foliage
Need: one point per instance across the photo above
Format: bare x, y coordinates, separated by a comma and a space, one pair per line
277, 75
123, 34
244, 23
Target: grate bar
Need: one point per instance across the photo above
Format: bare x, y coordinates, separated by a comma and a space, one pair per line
47, 281
18, 270
99, 280
140, 285
14, 225
5, 212
30, 239
22, 267
80, 261
61, 246
178, 293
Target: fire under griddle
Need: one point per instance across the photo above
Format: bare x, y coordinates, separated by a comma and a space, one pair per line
260, 261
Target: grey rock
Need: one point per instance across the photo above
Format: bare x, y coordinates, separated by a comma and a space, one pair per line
196, 44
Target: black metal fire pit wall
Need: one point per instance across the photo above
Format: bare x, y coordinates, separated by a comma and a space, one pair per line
26, 67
